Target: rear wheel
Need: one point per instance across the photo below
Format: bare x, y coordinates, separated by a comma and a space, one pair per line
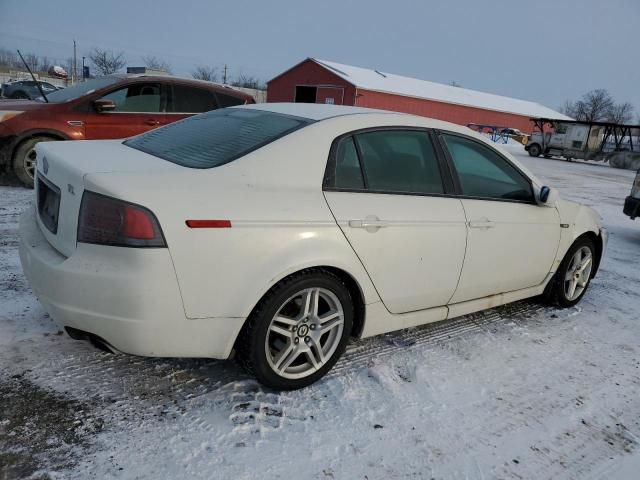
573, 277
298, 331
19, 94
24, 160
535, 150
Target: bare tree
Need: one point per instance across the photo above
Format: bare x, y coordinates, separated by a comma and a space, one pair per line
107, 62
151, 61
620, 113
569, 109
7, 57
32, 60
594, 106
247, 81
44, 64
203, 72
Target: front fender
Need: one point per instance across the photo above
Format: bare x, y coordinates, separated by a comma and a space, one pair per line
578, 220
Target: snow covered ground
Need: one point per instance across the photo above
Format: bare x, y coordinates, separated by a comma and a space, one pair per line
522, 391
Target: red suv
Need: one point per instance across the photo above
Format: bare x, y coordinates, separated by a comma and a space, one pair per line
115, 106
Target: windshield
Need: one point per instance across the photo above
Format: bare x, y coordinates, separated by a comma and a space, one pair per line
217, 137
79, 89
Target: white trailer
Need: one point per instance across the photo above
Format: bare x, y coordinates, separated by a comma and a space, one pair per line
582, 140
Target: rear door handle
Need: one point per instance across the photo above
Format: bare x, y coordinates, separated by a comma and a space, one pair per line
371, 223
482, 223
152, 122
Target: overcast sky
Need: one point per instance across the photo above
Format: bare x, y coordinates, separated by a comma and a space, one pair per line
542, 50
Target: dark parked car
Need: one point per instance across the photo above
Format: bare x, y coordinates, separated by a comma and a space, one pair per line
26, 89
108, 107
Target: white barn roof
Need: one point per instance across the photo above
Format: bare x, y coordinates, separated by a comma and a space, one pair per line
379, 81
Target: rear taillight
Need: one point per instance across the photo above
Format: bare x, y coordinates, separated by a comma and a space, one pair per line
109, 221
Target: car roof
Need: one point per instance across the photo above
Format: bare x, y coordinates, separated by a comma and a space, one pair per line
313, 111
321, 111
174, 79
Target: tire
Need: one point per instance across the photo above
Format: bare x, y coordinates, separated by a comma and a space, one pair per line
535, 150
19, 95
558, 292
24, 163
282, 344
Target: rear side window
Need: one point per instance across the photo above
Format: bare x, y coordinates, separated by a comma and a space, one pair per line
215, 138
400, 161
187, 99
348, 172
229, 100
484, 173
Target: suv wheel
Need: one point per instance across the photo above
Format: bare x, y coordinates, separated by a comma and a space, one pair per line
24, 160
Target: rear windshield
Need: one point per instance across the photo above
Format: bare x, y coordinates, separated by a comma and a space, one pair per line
216, 137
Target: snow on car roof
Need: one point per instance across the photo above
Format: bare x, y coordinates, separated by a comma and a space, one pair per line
413, 87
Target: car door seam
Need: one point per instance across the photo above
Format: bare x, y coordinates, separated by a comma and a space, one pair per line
464, 257
356, 254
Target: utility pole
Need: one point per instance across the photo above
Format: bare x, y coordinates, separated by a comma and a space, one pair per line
84, 79
224, 78
74, 74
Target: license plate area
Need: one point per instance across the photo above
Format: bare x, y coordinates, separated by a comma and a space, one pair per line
48, 198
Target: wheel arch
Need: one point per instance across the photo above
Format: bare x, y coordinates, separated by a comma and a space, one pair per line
353, 286
39, 132
598, 242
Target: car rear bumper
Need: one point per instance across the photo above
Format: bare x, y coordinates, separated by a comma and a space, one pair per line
128, 297
632, 207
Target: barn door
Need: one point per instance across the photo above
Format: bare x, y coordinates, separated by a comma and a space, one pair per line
330, 95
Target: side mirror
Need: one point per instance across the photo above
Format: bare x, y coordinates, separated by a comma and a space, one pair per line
548, 196
103, 105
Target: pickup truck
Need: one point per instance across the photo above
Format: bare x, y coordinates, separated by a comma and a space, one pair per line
632, 202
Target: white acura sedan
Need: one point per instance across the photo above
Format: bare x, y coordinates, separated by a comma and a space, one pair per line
279, 231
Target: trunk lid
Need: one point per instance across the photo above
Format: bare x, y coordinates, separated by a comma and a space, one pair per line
61, 169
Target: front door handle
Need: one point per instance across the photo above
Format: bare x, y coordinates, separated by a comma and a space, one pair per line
371, 223
482, 223
153, 122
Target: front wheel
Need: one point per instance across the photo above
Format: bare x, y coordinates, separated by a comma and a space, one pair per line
298, 331
535, 150
573, 277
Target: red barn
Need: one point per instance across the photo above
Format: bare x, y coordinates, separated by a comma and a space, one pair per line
320, 81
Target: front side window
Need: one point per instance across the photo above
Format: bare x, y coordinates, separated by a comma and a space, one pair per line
136, 98
217, 137
484, 173
400, 161
80, 89
186, 99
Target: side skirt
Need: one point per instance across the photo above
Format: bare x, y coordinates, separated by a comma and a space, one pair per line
378, 320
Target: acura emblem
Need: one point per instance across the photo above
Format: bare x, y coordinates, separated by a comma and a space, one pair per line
45, 165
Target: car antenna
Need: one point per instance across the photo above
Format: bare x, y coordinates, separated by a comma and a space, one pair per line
34, 78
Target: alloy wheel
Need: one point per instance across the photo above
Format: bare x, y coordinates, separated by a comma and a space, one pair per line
30, 162
304, 333
578, 273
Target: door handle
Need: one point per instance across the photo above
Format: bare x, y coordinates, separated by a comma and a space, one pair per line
152, 122
371, 223
482, 223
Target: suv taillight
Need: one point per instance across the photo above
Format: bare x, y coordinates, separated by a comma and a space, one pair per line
109, 221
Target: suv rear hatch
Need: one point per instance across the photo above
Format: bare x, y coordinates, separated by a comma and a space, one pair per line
59, 183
